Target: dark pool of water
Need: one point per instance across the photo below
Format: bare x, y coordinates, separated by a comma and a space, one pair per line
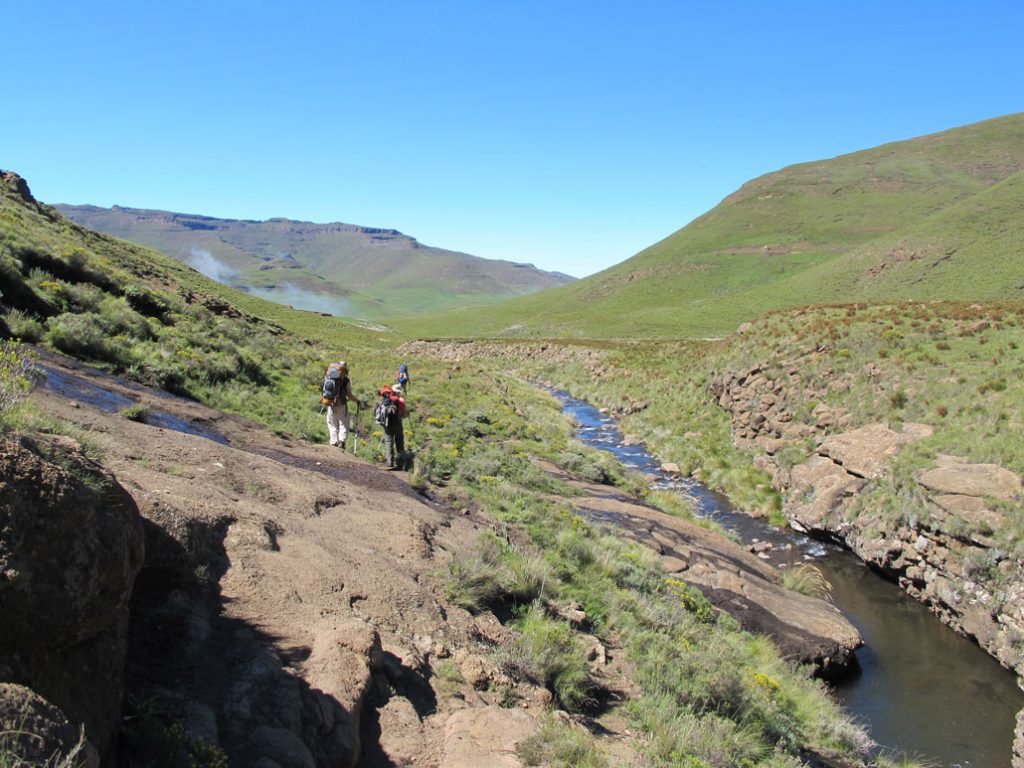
921, 688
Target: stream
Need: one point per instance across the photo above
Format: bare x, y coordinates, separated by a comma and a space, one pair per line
921, 688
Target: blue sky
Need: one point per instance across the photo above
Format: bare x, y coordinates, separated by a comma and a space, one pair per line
568, 134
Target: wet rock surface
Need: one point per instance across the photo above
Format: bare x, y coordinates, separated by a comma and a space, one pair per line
1018, 742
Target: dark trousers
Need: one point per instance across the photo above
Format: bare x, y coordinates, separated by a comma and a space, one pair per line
394, 442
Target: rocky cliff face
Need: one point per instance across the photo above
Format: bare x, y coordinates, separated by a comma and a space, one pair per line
944, 554
70, 549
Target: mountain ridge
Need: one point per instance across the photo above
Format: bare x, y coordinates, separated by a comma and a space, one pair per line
369, 272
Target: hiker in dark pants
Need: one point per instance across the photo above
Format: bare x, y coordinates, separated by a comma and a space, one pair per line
389, 412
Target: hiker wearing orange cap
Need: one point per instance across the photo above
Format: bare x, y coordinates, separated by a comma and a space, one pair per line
388, 413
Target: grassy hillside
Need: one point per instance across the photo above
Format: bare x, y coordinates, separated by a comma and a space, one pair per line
476, 434
146, 316
338, 268
936, 217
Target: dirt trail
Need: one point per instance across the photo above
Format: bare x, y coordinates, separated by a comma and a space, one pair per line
287, 610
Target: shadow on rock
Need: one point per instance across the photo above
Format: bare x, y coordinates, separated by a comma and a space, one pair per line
201, 684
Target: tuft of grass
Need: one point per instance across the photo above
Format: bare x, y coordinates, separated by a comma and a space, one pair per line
137, 412
548, 653
560, 745
807, 579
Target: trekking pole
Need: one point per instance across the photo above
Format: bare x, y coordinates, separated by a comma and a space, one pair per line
355, 431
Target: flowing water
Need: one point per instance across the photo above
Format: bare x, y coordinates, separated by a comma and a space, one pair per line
921, 688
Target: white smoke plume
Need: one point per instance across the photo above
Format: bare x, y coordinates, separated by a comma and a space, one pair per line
209, 265
300, 298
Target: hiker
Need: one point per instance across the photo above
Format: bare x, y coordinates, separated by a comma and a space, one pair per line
389, 412
337, 391
402, 378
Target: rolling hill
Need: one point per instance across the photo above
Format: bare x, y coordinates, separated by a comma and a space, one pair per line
338, 268
935, 217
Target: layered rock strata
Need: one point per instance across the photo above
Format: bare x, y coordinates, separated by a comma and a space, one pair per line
944, 552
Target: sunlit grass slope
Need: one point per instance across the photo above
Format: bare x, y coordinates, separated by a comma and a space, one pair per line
936, 217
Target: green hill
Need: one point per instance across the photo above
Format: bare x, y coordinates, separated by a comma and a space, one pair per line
936, 217
338, 268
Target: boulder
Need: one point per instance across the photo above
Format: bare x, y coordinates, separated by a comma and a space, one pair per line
35, 732
818, 488
486, 736
71, 544
954, 476
70, 547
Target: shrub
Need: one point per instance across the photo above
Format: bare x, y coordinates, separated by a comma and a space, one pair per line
23, 326
80, 336
18, 375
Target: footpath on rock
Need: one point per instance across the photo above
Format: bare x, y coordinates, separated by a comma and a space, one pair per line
280, 602
285, 612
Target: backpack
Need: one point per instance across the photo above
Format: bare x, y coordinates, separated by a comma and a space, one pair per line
335, 381
385, 411
402, 377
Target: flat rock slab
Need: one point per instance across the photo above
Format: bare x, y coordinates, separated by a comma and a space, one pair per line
486, 737
866, 451
807, 629
959, 478
970, 508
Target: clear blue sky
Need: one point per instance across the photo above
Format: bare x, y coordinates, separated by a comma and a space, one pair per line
569, 134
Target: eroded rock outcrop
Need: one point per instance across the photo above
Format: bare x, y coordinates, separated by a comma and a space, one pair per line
945, 555
70, 548
487, 736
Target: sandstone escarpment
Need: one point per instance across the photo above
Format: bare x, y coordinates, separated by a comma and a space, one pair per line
70, 548
944, 551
